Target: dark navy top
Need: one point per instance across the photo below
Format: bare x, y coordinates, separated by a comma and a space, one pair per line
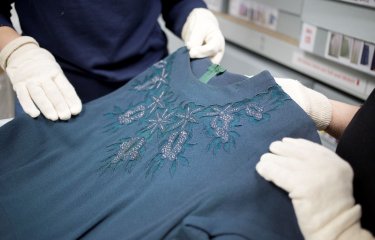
164, 157
357, 146
100, 44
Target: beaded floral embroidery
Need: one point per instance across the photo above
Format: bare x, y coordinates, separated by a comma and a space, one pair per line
162, 118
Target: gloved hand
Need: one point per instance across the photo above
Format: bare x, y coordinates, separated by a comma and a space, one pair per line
315, 104
319, 184
202, 35
38, 80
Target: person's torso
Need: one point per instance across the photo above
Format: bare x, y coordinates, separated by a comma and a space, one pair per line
107, 40
357, 146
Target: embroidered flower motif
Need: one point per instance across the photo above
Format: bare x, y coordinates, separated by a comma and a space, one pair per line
170, 152
257, 108
159, 122
186, 117
158, 102
154, 83
221, 132
120, 118
254, 110
132, 115
222, 117
174, 145
222, 112
128, 152
174, 120
161, 64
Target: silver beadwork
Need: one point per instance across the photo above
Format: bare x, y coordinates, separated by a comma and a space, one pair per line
154, 82
129, 150
254, 110
174, 145
158, 102
132, 115
159, 122
187, 117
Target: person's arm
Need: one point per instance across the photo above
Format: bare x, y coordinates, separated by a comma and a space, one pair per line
175, 13
7, 34
342, 114
328, 115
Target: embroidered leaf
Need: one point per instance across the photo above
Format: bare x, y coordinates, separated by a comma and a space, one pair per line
172, 169
183, 161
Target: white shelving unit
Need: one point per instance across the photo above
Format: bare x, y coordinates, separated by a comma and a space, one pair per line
349, 19
283, 44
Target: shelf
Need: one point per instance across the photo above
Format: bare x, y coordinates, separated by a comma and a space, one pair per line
365, 3
345, 50
337, 16
291, 6
285, 50
270, 15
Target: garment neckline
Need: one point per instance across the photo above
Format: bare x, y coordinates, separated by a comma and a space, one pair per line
186, 83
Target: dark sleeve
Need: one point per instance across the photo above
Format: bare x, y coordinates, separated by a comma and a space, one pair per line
175, 13
5, 7
357, 147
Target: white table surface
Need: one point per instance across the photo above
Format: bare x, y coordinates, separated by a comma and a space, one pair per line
3, 121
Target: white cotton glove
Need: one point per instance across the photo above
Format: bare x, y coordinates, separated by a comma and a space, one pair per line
202, 35
319, 184
38, 80
315, 104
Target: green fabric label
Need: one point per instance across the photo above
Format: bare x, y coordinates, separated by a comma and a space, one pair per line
212, 71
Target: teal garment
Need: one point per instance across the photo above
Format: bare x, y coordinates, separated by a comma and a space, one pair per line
164, 157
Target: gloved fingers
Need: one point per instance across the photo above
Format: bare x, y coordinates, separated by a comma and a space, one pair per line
26, 102
306, 146
286, 149
300, 142
272, 169
69, 93
290, 148
41, 100
210, 47
57, 99
207, 51
202, 51
217, 58
289, 163
202, 35
195, 39
296, 91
